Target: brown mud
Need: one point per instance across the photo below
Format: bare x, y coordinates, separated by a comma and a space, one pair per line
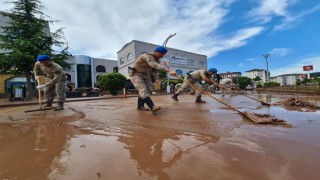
110, 139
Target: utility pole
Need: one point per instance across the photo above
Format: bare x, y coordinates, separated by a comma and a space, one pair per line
266, 57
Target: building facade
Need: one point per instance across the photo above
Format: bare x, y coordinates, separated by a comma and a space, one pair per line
86, 70
287, 79
257, 72
178, 60
314, 75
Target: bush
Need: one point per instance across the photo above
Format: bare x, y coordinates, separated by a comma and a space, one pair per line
112, 82
271, 84
244, 82
259, 85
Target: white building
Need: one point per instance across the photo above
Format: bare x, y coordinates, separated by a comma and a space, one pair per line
257, 72
178, 60
85, 70
286, 79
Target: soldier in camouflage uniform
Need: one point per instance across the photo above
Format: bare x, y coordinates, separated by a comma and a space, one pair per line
226, 82
139, 74
194, 78
55, 81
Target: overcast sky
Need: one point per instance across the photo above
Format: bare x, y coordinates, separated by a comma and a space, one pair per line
232, 33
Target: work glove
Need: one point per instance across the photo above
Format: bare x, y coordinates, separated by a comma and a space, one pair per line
41, 86
172, 73
37, 78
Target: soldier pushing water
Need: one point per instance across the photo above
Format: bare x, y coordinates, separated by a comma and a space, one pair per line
194, 78
55, 81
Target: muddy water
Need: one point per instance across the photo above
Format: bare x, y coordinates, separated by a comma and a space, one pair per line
275, 97
112, 140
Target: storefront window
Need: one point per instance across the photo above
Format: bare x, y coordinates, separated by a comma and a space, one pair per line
84, 75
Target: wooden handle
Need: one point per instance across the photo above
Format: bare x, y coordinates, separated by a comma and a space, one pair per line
39, 92
208, 94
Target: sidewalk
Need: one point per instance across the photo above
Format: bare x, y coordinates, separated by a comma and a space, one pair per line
4, 102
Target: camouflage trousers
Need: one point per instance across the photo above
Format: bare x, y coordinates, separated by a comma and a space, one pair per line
57, 89
142, 83
185, 85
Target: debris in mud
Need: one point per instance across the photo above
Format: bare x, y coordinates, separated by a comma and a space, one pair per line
304, 106
98, 174
266, 119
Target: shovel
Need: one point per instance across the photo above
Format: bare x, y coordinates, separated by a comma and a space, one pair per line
263, 103
40, 104
246, 115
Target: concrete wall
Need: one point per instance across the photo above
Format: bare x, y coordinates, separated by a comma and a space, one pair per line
136, 48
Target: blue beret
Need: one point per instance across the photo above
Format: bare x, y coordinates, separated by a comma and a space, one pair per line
161, 49
43, 57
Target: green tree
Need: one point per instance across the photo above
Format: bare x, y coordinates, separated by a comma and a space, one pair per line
305, 81
257, 78
244, 81
112, 82
298, 82
25, 37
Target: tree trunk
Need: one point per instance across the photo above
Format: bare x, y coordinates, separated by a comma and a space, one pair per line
30, 91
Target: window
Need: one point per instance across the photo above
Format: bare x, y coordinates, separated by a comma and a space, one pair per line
100, 68
201, 64
129, 57
121, 61
84, 75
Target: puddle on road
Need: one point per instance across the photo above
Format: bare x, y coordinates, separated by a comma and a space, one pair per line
137, 154
28, 150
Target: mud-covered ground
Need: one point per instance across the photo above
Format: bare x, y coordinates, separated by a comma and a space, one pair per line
110, 139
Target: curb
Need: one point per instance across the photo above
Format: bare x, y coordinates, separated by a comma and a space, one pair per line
67, 101
74, 100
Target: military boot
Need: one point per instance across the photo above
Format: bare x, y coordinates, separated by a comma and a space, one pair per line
47, 104
141, 105
199, 100
59, 106
175, 97
150, 104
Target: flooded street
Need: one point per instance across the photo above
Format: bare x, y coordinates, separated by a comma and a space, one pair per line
110, 139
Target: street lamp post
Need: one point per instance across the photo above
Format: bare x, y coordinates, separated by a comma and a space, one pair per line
168, 75
266, 57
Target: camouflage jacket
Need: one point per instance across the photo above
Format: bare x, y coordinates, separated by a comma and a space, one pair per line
197, 75
53, 72
147, 63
